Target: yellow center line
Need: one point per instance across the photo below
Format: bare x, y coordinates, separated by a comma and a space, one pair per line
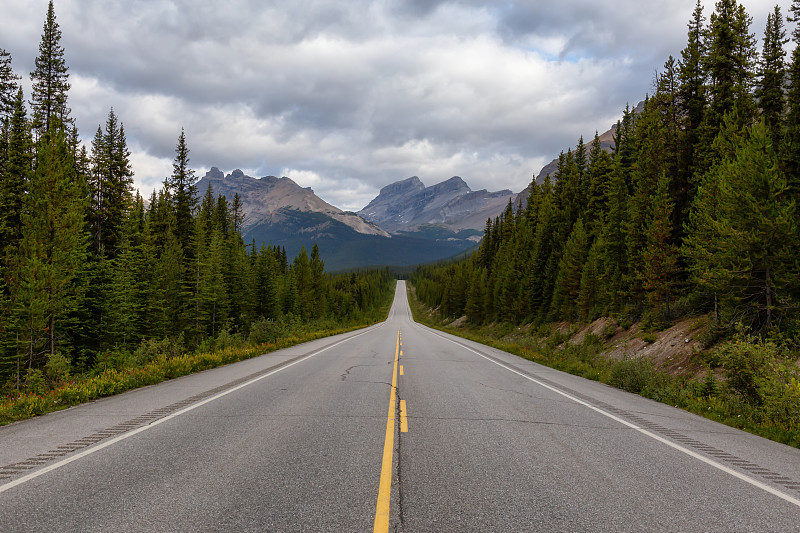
385, 485
401, 370
403, 417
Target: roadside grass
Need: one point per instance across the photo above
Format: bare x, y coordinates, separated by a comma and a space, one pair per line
759, 392
154, 361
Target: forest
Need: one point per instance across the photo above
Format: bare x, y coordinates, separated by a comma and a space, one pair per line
693, 211
691, 218
93, 277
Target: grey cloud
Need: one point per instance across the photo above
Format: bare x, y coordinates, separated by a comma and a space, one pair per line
353, 95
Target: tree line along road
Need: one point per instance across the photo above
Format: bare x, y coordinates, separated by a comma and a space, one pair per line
392, 428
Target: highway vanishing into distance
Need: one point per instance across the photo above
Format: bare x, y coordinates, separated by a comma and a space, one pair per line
392, 428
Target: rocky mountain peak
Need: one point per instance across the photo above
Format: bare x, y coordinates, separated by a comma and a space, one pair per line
215, 174
454, 184
404, 186
408, 205
269, 199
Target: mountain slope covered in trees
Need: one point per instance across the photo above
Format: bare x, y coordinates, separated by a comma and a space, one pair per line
695, 209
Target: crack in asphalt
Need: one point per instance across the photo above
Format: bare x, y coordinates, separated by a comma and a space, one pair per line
347, 371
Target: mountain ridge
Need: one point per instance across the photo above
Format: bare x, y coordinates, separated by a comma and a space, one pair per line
407, 205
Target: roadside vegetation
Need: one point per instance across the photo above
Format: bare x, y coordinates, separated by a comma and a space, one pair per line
55, 387
102, 291
692, 213
747, 383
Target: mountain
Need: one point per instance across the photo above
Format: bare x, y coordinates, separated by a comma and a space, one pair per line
271, 200
449, 209
278, 211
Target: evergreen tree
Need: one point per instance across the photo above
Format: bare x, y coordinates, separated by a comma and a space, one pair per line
213, 292
15, 178
318, 283
570, 270
659, 259
110, 185
772, 75
589, 296
53, 243
692, 100
791, 147
742, 243
730, 61
598, 172
615, 251
124, 298
267, 301
8, 86
50, 79
183, 193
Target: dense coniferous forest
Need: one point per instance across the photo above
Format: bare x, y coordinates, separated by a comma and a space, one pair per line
90, 272
694, 211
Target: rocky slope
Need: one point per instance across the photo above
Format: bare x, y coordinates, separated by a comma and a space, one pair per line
450, 206
270, 200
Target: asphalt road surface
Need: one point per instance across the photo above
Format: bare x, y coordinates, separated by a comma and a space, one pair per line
395, 427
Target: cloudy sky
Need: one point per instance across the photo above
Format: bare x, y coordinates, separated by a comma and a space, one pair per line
348, 96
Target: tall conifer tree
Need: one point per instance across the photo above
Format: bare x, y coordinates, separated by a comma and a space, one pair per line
772, 75
50, 79
53, 243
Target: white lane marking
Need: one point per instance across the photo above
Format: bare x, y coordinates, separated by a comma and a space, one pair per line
687, 451
63, 462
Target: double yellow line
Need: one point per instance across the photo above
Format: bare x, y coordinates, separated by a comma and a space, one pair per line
385, 486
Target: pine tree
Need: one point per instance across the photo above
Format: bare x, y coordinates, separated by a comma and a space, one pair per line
110, 185
692, 92
50, 79
772, 75
53, 243
659, 259
570, 270
213, 292
598, 172
615, 252
14, 181
8, 87
588, 298
730, 61
183, 193
742, 241
790, 149
319, 287
124, 301
267, 301
652, 161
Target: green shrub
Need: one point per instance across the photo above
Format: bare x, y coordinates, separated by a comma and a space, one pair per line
609, 330
709, 386
57, 368
780, 396
35, 381
154, 349
632, 375
747, 363
266, 330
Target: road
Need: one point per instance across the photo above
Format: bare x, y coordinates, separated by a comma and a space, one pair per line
317, 438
